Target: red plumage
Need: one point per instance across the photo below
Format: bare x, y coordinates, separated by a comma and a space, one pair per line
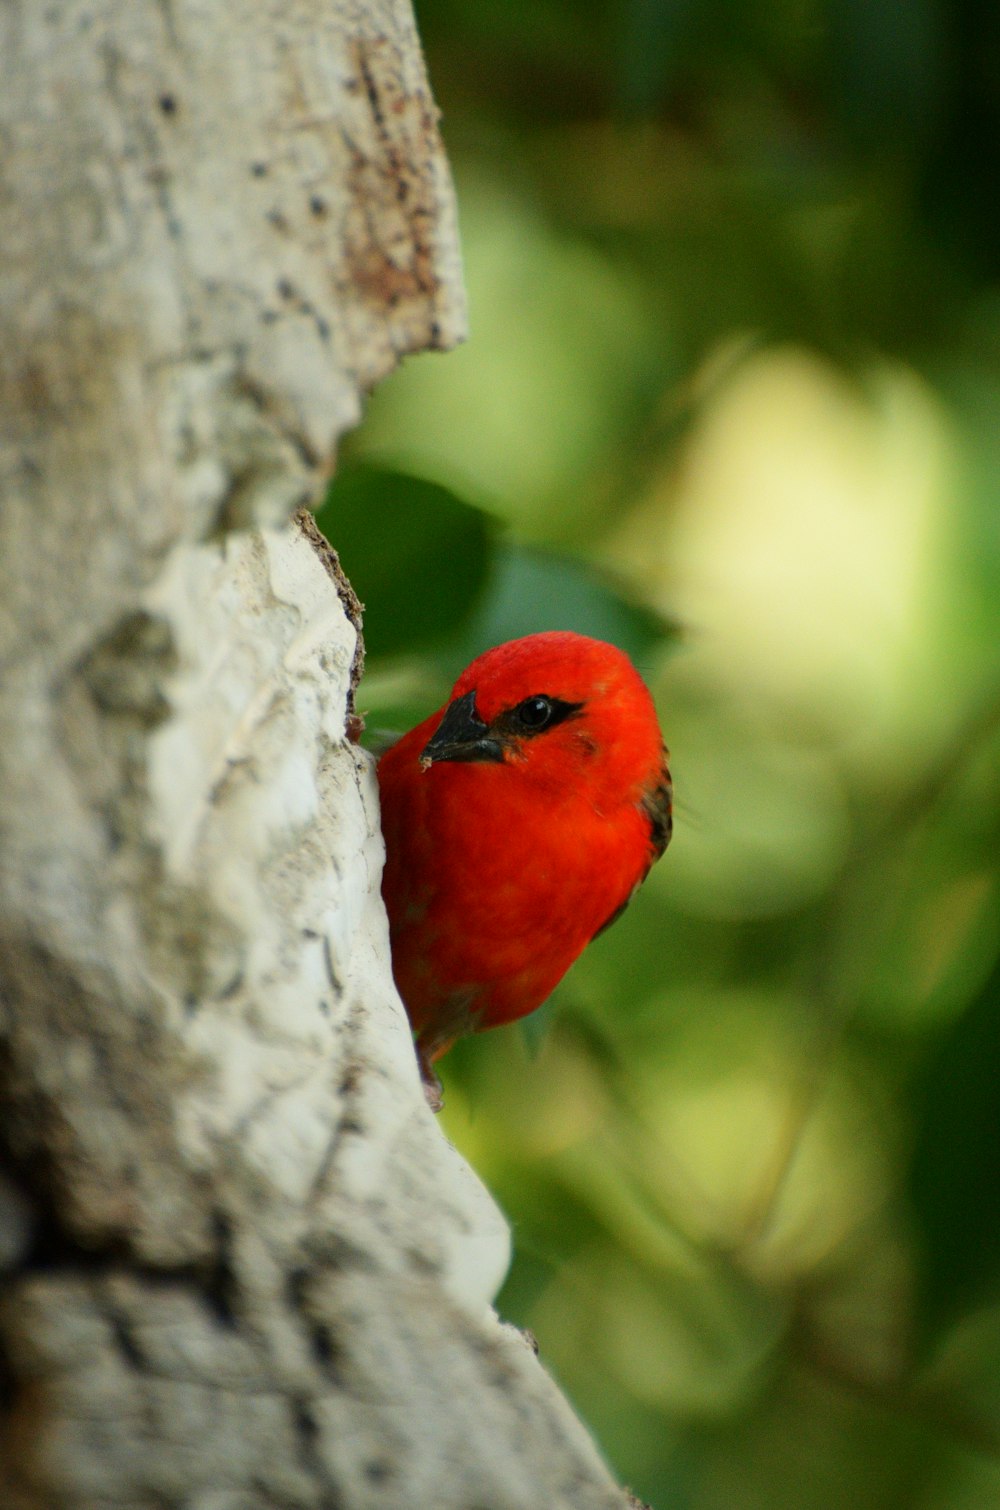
518, 821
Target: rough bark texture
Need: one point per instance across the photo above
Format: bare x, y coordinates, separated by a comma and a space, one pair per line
242, 1267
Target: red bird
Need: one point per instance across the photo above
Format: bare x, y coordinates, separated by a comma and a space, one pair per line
518, 819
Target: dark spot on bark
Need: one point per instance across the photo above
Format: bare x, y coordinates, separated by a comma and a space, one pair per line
325, 1347
286, 289
125, 672
231, 987
125, 1341
496, 1369
331, 1251
219, 1288
331, 972
305, 1422
371, 90
8, 1382
318, 206
168, 104
422, 1261
379, 1471
259, 170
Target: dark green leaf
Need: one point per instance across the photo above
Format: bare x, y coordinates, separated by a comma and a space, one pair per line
531, 591
416, 554
955, 1174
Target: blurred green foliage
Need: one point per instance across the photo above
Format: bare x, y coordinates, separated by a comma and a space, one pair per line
735, 365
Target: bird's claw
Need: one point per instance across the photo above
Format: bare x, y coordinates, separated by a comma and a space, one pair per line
433, 1089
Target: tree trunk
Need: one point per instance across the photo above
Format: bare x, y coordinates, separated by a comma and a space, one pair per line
242, 1266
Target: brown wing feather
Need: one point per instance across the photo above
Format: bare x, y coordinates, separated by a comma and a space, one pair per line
658, 806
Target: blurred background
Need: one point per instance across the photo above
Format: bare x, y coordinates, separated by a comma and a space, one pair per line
732, 400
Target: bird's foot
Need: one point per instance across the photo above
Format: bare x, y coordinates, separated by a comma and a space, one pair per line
433, 1089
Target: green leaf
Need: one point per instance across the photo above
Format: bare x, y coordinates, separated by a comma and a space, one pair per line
953, 1177
531, 591
417, 555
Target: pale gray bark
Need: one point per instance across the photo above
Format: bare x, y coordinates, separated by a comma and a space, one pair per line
242, 1267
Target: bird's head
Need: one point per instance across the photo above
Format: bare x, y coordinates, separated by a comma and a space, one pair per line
563, 710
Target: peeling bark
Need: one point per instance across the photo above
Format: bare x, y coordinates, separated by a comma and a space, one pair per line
242, 1267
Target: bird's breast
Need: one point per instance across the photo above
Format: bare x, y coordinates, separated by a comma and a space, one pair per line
492, 892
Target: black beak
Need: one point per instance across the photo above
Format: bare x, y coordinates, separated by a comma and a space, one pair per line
462, 735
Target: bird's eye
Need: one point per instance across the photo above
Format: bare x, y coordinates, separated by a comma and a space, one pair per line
534, 713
